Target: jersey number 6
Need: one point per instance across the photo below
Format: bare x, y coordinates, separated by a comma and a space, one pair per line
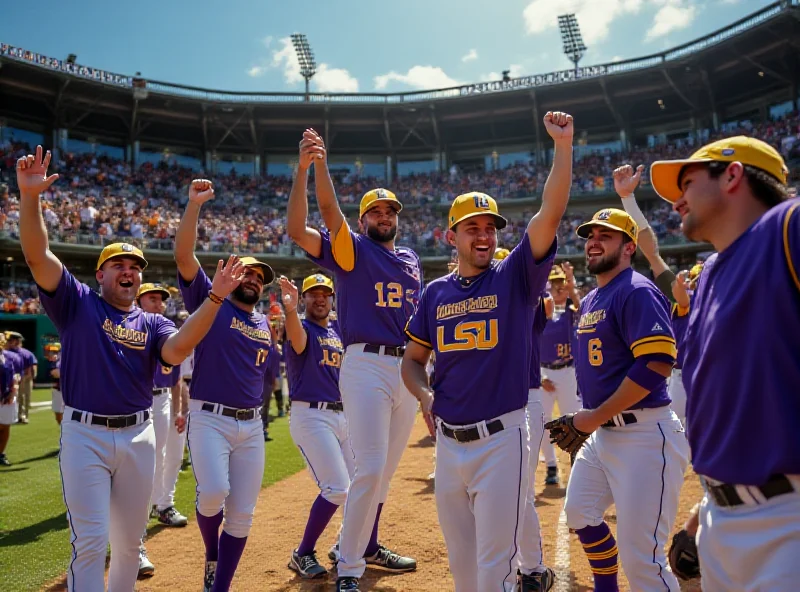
595, 352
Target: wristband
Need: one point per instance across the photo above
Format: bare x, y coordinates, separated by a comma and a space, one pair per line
630, 205
214, 298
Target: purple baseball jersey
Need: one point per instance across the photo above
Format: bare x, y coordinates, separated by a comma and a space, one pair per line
28, 358
376, 298
680, 322
481, 333
230, 361
273, 369
539, 323
108, 356
17, 363
314, 375
558, 335
742, 355
56, 381
166, 376
7, 372
625, 319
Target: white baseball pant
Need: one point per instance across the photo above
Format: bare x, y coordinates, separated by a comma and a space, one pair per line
24, 397
530, 556
321, 436
161, 421
167, 479
677, 392
751, 547
57, 401
8, 414
380, 415
107, 477
639, 467
566, 394
228, 461
481, 521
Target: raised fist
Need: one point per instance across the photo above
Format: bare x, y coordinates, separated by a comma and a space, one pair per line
559, 126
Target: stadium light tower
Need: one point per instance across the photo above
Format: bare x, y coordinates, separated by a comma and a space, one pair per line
308, 65
572, 39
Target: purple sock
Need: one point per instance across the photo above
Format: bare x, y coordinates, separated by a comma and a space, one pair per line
321, 513
230, 552
209, 529
372, 546
601, 551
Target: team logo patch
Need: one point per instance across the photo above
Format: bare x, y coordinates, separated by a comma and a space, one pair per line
728, 152
604, 215
320, 278
481, 201
126, 247
657, 327
380, 193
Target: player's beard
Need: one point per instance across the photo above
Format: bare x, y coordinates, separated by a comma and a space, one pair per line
381, 236
246, 295
606, 262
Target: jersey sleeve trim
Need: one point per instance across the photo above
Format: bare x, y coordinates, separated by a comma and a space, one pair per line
659, 344
786, 249
343, 248
416, 339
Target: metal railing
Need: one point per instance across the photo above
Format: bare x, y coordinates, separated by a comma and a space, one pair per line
538, 80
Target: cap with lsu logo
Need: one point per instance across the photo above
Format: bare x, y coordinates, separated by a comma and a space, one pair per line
664, 174
501, 254
317, 281
556, 273
115, 250
146, 288
474, 204
613, 219
269, 274
374, 196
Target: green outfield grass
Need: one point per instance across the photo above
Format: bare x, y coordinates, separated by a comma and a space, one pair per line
34, 535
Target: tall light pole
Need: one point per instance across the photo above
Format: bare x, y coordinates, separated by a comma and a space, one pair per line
572, 39
308, 65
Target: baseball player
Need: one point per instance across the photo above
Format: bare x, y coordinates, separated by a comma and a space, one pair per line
107, 457
166, 392
635, 452
9, 386
29, 368
478, 322
317, 424
226, 438
672, 286
740, 365
17, 362
557, 362
377, 288
53, 354
271, 375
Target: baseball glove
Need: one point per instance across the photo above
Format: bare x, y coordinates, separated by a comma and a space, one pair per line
683, 556
566, 436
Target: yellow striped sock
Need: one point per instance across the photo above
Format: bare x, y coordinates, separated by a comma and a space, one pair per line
600, 542
602, 554
605, 570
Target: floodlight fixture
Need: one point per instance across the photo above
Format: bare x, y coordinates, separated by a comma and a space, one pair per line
571, 37
308, 64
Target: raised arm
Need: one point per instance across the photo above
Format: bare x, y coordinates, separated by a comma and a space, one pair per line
306, 238
180, 344
32, 180
572, 287
326, 195
295, 331
200, 191
543, 226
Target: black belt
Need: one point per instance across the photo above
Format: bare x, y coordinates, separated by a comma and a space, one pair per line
622, 419
187, 381
559, 365
725, 494
161, 391
114, 422
237, 414
388, 350
329, 406
472, 434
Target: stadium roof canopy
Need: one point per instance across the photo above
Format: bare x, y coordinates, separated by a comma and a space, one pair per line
735, 72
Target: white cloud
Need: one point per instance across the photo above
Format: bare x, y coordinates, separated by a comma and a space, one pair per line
327, 79
515, 72
470, 56
419, 77
594, 16
672, 16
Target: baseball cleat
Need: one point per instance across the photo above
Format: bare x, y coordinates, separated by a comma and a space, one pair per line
347, 584
552, 476
171, 517
208, 578
536, 582
334, 554
4, 461
146, 567
307, 566
390, 561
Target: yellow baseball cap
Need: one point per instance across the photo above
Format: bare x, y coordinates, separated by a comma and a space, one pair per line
14, 335
53, 347
610, 218
269, 274
316, 281
501, 254
372, 197
145, 288
557, 273
695, 271
115, 250
474, 204
664, 174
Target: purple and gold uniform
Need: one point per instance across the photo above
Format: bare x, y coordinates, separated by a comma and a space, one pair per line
230, 361
166, 376
104, 345
314, 374
557, 336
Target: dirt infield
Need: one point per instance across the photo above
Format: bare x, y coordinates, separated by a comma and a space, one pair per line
408, 525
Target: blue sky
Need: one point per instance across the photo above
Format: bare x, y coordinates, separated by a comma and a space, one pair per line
360, 45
